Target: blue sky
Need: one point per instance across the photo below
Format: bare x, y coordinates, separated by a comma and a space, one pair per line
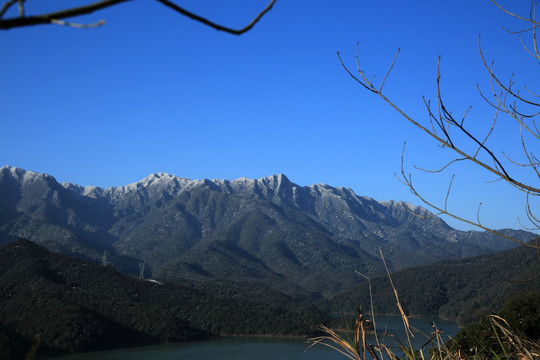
152, 91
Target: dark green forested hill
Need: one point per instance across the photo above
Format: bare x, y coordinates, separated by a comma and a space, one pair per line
73, 305
461, 290
521, 314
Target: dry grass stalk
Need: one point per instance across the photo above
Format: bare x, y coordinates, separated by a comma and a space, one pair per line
374, 323
513, 345
336, 342
404, 317
355, 349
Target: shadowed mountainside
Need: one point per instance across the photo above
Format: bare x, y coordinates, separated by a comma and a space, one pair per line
306, 241
74, 305
461, 290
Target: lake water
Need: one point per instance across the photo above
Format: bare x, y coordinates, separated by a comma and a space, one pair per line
259, 348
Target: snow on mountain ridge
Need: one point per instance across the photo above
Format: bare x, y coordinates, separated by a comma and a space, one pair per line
277, 188
22, 175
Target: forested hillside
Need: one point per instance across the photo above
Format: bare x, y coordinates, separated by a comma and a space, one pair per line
73, 305
461, 290
305, 241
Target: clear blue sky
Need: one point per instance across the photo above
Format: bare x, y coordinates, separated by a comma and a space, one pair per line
152, 91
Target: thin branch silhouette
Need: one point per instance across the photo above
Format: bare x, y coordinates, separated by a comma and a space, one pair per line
455, 135
56, 17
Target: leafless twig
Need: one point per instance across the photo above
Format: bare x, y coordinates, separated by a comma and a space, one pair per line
214, 25
55, 17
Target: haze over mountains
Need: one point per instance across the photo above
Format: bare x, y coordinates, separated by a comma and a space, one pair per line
302, 240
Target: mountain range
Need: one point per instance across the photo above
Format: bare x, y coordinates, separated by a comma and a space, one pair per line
307, 241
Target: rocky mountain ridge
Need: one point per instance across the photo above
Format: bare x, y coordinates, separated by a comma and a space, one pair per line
298, 239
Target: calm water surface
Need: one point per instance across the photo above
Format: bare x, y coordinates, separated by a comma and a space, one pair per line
266, 348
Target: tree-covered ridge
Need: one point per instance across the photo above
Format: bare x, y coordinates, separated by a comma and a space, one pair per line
73, 305
461, 290
302, 240
520, 313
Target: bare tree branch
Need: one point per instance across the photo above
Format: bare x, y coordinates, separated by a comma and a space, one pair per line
442, 211
54, 17
449, 133
21, 8
77, 25
516, 15
532, 218
441, 169
6, 7
62, 14
478, 214
448, 193
389, 69
446, 118
215, 25
507, 89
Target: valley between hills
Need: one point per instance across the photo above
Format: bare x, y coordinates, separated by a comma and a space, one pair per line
240, 257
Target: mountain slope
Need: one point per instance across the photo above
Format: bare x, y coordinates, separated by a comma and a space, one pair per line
76, 306
461, 290
304, 240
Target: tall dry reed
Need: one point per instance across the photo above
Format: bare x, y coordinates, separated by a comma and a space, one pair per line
510, 346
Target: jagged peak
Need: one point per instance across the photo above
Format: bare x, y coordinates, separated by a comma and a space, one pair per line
400, 203
174, 184
14, 171
159, 180
404, 206
23, 175
159, 177
243, 179
242, 183
322, 188
88, 191
276, 178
